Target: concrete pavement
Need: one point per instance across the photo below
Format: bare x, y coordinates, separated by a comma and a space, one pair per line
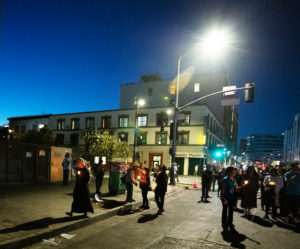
30, 213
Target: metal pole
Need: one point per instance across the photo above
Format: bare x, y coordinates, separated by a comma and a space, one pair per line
134, 131
175, 120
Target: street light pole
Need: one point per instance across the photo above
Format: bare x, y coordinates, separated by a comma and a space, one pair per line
174, 143
135, 125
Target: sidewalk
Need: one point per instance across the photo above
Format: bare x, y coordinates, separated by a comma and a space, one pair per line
30, 213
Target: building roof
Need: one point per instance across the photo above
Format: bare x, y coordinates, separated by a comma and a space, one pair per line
30, 117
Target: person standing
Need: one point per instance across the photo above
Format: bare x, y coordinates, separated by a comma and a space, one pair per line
206, 180
161, 189
130, 179
228, 196
145, 186
292, 178
250, 184
66, 164
176, 166
81, 194
196, 170
272, 183
98, 172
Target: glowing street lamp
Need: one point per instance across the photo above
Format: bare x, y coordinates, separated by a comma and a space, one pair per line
212, 44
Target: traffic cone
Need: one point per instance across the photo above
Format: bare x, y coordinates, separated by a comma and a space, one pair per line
195, 183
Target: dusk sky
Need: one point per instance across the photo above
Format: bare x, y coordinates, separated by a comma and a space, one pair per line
60, 56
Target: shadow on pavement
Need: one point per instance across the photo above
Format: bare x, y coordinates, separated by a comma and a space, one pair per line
109, 204
258, 220
41, 223
287, 226
147, 217
235, 238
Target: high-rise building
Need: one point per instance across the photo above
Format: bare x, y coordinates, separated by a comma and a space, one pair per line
291, 147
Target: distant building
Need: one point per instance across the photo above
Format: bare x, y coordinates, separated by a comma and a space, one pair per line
264, 148
291, 147
160, 93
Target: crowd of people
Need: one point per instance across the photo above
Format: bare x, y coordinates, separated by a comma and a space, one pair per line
279, 190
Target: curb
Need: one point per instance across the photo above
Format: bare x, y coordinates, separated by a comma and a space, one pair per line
36, 238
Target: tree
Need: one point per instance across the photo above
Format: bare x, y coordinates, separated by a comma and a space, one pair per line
44, 136
102, 143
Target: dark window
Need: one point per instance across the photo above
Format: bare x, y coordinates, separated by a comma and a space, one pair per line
142, 138
17, 129
186, 120
90, 123
123, 136
161, 138
183, 138
123, 121
106, 122
150, 91
142, 120
74, 139
161, 118
34, 127
75, 124
60, 139
60, 124
23, 128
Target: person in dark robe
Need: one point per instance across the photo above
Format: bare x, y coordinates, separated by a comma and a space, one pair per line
81, 194
250, 184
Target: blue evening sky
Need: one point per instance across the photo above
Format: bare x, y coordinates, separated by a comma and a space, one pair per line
60, 56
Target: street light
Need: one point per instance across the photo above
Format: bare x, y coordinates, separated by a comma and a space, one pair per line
214, 43
138, 104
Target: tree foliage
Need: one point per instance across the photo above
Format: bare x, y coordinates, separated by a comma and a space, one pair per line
44, 136
102, 143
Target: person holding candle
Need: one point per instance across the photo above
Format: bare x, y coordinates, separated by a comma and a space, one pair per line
228, 196
81, 195
272, 183
250, 183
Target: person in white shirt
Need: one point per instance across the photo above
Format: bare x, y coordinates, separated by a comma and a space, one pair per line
273, 183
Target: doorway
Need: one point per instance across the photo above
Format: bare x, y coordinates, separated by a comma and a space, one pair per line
155, 159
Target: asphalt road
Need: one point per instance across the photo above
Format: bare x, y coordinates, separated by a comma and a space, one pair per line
186, 223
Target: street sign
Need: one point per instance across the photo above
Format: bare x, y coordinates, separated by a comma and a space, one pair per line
230, 90
180, 116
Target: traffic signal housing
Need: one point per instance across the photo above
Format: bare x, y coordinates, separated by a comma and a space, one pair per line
249, 92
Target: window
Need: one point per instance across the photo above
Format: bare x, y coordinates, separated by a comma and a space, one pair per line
161, 118
106, 122
123, 121
123, 136
161, 138
74, 139
142, 120
60, 139
75, 124
90, 123
17, 129
186, 119
23, 128
60, 124
34, 127
197, 87
142, 138
150, 91
183, 138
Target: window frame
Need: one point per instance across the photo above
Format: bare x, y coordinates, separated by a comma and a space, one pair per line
138, 140
157, 134
165, 118
181, 133
123, 117
120, 134
61, 124
142, 115
76, 128
86, 123
104, 122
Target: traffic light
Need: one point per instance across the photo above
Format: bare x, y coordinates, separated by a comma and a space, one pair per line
249, 92
172, 131
218, 154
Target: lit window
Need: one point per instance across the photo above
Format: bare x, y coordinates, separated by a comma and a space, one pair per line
161, 138
75, 124
142, 121
106, 122
197, 87
124, 121
60, 124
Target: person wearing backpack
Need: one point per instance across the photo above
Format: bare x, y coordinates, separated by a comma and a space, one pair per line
130, 179
145, 186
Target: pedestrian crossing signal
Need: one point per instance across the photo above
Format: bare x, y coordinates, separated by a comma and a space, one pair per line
172, 89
